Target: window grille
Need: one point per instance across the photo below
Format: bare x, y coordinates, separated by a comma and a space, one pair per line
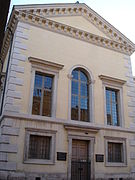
39, 147
115, 152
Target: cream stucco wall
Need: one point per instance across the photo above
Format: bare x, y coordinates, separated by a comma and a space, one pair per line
61, 49
80, 23
64, 50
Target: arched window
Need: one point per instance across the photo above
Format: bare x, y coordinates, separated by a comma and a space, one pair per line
80, 95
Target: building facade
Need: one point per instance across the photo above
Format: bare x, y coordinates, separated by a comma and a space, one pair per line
67, 107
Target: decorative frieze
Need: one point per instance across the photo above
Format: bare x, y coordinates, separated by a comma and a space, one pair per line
38, 17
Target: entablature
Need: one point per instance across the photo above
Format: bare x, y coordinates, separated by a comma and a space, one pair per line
38, 15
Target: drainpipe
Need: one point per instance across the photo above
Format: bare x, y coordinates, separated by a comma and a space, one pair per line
4, 88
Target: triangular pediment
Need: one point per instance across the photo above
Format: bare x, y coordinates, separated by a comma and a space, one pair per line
81, 23
64, 12
76, 20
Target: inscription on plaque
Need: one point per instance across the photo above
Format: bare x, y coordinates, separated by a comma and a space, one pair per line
61, 156
99, 158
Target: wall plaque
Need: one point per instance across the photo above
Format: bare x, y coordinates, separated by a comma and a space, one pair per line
99, 158
61, 156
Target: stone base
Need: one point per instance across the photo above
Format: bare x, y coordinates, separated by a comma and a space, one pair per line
130, 176
7, 175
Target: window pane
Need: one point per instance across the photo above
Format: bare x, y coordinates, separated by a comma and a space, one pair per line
84, 89
42, 96
111, 107
84, 109
39, 147
48, 82
75, 74
47, 101
36, 101
79, 102
38, 80
83, 77
114, 115
75, 87
74, 107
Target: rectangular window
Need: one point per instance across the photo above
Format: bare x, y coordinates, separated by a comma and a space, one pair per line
42, 96
39, 147
115, 152
112, 107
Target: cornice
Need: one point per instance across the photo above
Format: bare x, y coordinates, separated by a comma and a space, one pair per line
81, 9
42, 62
112, 79
38, 17
64, 122
7, 37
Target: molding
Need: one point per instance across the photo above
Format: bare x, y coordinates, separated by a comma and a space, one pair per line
28, 117
73, 9
81, 128
42, 62
112, 79
37, 16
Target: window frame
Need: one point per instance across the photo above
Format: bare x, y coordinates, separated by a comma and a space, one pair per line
115, 84
42, 90
40, 132
118, 106
79, 81
91, 93
124, 155
49, 68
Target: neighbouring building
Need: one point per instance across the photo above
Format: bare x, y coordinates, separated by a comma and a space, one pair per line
68, 104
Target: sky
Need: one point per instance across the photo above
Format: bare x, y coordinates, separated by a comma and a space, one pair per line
119, 13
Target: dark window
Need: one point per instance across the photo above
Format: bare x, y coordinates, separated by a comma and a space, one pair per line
80, 96
115, 152
39, 147
112, 107
42, 96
